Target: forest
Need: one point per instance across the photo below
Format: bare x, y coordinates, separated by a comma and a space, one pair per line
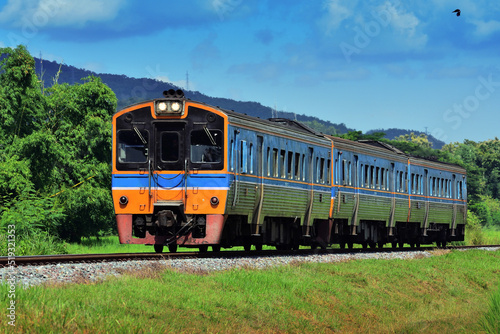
55, 172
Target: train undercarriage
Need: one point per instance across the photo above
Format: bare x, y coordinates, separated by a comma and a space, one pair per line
170, 227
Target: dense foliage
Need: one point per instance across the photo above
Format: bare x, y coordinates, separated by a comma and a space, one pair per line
52, 139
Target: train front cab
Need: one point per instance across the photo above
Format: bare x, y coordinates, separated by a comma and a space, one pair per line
170, 177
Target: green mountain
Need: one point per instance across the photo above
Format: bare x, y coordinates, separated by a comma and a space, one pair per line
132, 90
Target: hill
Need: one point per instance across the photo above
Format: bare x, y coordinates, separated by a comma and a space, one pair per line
393, 133
131, 90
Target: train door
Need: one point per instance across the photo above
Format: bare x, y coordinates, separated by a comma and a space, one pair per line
392, 189
259, 198
169, 156
427, 193
310, 195
354, 177
453, 195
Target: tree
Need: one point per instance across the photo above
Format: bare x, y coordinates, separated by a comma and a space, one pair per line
21, 102
50, 143
420, 140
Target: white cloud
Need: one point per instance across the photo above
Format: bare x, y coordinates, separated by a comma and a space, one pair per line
337, 12
405, 23
484, 29
58, 13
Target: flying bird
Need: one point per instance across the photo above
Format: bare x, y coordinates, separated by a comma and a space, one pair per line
457, 11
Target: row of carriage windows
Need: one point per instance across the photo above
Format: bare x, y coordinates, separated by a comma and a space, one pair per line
281, 163
373, 177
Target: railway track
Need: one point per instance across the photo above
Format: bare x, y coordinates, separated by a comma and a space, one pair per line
91, 258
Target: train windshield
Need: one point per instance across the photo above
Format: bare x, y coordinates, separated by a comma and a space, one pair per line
206, 146
132, 146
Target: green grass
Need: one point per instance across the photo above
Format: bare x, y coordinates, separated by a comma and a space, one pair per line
447, 293
109, 244
491, 320
492, 236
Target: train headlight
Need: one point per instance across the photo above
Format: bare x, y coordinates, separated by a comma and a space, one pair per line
176, 106
162, 106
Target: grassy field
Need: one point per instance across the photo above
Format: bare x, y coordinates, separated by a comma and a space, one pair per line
452, 292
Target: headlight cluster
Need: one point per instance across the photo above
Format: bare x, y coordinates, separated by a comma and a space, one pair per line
166, 107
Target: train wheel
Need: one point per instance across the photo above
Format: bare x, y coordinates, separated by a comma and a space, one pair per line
394, 244
401, 244
203, 249
443, 244
350, 245
216, 248
247, 247
158, 248
342, 245
172, 248
258, 247
380, 245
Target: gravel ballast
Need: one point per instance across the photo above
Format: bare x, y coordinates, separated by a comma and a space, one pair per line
91, 272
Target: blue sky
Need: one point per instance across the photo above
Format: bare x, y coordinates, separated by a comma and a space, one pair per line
368, 64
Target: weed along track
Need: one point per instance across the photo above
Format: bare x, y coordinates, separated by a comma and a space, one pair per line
88, 268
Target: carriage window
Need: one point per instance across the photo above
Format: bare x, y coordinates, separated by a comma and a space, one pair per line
382, 178
289, 164
206, 146
243, 157
251, 159
297, 166
170, 146
303, 167
367, 176
132, 146
269, 164
328, 172
275, 163
322, 171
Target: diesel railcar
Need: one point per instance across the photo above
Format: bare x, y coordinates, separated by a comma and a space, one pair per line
185, 173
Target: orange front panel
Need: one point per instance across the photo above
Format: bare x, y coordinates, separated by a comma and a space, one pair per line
198, 201
138, 201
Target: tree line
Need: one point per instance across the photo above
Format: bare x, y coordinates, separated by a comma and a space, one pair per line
55, 172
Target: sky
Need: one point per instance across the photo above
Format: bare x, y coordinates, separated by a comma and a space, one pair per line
368, 64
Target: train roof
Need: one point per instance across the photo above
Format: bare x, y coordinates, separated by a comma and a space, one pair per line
369, 147
386, 150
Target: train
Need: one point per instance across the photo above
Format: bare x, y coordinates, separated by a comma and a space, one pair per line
188, 174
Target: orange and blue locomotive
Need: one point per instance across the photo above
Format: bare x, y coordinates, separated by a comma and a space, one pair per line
193, 175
